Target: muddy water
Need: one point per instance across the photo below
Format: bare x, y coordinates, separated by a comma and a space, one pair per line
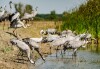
83, 60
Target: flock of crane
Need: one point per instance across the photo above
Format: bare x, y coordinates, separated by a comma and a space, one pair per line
66, 39
14, 18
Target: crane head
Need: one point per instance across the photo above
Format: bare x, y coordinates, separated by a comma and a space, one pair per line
36, 8
0, 7
26, 40
13, 41
10, 2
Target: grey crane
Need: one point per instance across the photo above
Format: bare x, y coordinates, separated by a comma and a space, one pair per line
38, 40
3, 16
14, 19
51, 31
23, 47
15, 15
68, 32
17, 23
62, 41
51, 37
33, 45
2, 13
75, 45
28, 16
57, 43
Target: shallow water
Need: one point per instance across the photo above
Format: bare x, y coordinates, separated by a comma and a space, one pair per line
83, 60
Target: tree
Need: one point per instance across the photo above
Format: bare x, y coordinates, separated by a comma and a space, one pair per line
21, 9
53, 15
28, 8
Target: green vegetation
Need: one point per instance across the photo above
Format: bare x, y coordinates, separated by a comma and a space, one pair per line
48, 17
28, 9
85, 18
18, 7
7, 49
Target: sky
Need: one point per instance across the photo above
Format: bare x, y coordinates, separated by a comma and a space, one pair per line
46, 6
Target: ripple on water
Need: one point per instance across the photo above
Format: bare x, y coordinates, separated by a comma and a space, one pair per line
84, 60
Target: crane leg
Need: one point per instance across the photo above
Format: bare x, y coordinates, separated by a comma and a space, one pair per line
50, 50
14, 31
40, 54
29, 56
74, 52
64, 49
4, 25
57, 50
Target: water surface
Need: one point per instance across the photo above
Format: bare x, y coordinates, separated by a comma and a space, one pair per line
83, 60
